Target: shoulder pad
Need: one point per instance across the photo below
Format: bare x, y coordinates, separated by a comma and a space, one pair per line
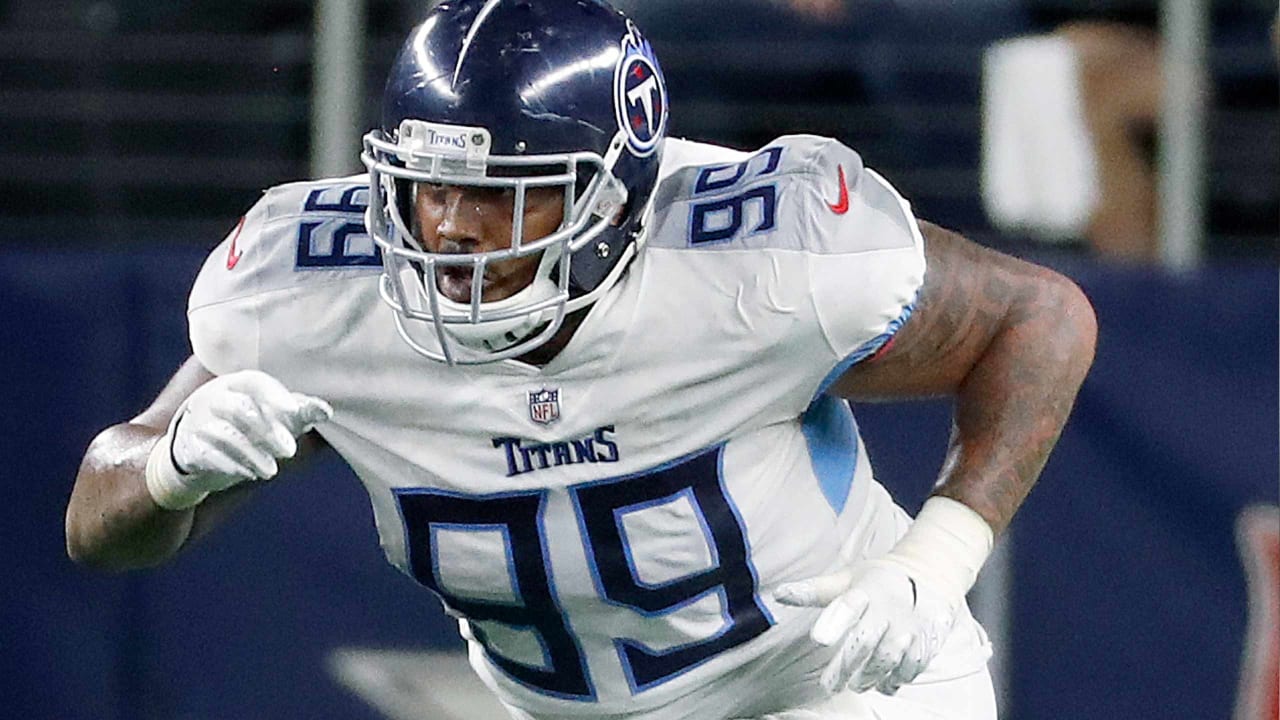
297, 238
678, 153
292, 231
799, 192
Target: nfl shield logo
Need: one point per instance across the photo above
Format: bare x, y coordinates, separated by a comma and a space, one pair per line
544, 406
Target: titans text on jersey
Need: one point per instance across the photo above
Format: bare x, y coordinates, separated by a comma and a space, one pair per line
523, 456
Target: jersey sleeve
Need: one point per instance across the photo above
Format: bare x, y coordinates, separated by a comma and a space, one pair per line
866, 253
800, 223
246, 307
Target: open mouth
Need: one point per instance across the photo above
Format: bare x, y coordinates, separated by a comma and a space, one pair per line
454, 283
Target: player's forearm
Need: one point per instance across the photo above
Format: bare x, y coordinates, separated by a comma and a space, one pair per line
1014, 401
112, 522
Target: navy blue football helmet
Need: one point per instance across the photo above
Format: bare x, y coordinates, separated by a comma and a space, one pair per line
515, 94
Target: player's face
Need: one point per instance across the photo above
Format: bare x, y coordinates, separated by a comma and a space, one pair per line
459, 219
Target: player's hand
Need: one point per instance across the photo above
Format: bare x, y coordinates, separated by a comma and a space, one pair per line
886, 623
232, 429
890, 616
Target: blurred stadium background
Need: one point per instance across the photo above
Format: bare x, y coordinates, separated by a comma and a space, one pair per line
1141, 580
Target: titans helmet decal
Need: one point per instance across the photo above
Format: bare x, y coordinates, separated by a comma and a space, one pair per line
639, 94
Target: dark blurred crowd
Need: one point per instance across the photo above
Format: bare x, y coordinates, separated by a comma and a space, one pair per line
910, 84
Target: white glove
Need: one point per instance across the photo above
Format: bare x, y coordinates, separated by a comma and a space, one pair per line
888, 624
230, 430
890, 616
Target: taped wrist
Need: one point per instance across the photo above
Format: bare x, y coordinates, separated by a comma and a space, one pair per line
946, 545
169, 488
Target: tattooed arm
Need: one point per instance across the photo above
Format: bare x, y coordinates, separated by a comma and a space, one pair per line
1012, 342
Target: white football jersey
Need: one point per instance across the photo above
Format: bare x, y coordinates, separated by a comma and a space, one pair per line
611, 526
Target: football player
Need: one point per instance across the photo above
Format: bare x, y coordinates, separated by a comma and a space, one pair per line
595, 381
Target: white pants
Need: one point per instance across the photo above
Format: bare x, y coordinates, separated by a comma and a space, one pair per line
971, 697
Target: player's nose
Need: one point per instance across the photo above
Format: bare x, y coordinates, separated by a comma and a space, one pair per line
461, 223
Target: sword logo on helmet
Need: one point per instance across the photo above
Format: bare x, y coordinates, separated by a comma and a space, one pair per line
640, 94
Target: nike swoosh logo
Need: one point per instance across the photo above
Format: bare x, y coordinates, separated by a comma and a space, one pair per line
841, 206
233, 255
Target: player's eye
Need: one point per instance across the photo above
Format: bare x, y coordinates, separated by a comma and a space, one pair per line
433, 192
496, 194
